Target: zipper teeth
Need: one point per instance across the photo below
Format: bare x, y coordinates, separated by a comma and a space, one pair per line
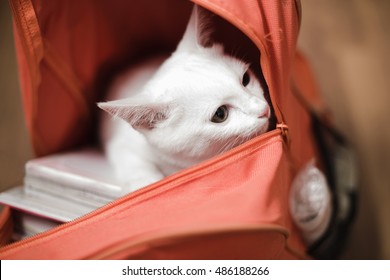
224, 229
17, 12
19, 23
181, 176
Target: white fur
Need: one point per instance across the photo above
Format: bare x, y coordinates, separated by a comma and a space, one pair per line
169, 109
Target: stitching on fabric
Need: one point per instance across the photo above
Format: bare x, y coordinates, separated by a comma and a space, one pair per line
28, 28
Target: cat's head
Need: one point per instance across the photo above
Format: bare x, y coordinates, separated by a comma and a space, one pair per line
201, 102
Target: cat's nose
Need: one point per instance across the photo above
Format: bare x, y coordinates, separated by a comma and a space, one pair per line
265, 113
260, 108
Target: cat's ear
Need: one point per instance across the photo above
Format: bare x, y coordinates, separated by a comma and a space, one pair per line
197, 32
141, 116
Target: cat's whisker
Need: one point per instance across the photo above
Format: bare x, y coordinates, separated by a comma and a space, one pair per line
233, 143
224, 147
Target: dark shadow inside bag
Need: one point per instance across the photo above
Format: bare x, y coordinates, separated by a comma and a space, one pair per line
339, 162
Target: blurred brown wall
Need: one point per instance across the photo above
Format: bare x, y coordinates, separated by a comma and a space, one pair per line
14, 142
347, 44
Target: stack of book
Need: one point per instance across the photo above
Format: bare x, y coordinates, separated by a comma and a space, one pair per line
60, 188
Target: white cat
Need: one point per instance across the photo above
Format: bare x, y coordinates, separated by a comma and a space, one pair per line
197, 104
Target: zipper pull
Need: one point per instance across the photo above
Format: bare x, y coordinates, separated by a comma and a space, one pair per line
284, 130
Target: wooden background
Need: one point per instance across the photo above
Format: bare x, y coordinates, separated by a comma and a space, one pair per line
348, 44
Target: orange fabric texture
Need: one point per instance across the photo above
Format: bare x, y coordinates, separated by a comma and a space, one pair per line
234, 206
6, 225
242, 194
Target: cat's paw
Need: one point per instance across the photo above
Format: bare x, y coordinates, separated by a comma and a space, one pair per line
310, 202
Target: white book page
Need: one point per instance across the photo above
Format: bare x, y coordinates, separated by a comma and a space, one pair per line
86, 170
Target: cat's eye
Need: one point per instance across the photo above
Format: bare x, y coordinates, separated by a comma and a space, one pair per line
221, 114
246, 78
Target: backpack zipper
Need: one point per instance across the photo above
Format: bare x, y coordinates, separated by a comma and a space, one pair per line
182, 176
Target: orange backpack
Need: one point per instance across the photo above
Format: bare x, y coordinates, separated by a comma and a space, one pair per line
234, 206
